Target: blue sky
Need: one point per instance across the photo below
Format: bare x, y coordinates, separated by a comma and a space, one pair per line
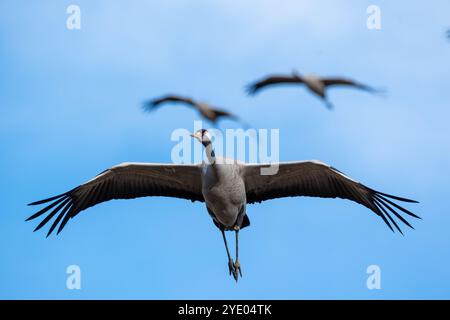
70, 107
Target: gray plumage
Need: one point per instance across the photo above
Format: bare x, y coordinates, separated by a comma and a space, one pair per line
314, 83
226, 186
207, 111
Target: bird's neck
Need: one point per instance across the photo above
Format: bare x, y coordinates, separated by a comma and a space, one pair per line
210, 152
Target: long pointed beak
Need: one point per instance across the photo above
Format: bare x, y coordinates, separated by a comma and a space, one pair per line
192, 135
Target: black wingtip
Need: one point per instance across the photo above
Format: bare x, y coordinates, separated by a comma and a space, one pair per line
56, 222
388, 224
397, 206
382, 92
387, 206
49, 233
394, 197
63, 223
148, 106
391, 219
48, 207
385, 220
251, 90
48, 199
58, 204
384, 210
39, 202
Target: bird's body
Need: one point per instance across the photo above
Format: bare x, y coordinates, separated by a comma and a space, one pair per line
317, 85
224, 192
225, 186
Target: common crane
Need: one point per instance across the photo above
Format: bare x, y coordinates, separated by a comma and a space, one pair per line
207, 111
225, 186
314, 83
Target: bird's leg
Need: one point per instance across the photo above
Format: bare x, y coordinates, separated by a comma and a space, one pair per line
237, 265
230, 260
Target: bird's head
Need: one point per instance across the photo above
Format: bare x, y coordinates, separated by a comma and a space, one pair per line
202, 136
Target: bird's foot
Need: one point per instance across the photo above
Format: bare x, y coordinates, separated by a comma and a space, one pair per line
231, 266
237, 270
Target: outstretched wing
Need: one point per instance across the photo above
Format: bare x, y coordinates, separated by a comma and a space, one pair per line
152, 104
124, 181
219, 113
316, 179
270, 81
347, 82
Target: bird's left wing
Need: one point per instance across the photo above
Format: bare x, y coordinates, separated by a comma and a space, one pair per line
124, 181
348, 82
316, 179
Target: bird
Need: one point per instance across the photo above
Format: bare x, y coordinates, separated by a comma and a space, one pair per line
226, 187
207, 111
316, 84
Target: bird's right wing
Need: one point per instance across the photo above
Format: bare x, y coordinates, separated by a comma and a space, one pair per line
124, 181
152, 104
272, 80
316, 179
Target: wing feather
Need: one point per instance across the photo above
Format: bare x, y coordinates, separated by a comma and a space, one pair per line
125, 181
272, 80
316, 179
347, 82
152, 104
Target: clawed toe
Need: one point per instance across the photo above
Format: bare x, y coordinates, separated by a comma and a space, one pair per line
237, 270
231, 268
